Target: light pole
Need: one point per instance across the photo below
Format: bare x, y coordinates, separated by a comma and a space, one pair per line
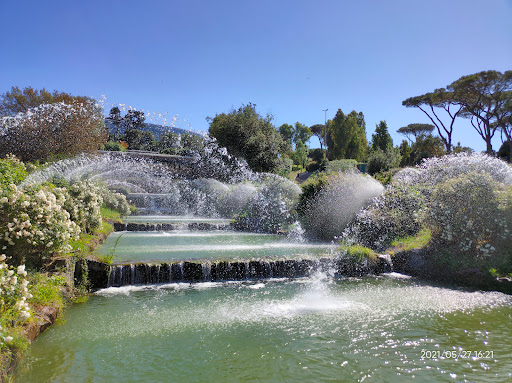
325, 134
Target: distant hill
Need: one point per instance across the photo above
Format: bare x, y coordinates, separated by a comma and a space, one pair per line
155, 128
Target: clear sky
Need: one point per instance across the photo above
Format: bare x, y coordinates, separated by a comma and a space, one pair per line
292, 59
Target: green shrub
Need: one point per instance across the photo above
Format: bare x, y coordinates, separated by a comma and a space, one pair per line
312, 167
336, 166
12, 171
381, 161
326, 208
470, 217
114, 146
310, 190
396, 213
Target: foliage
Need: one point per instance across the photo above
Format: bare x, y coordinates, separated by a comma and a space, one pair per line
35, 224
134, 119
316, 155
270, 209
357, 253
346, 137
505, 150
39, 222
114, 146
312, 167
46, 289
395, 213
437, 170
310, 190
442, 99
140, 140
471, 215
12, 171
318, 130
14, 307
405, 152
410, 242
415, 130
337, 166
383, 160
50, 130
287, 131
170, 143
385, 177
18, 101
484, 98
300, 155
327, 206
191, 144
244, 133
301, 133
381, 139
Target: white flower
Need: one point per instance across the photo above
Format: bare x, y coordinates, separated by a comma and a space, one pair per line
8, 339
2, 257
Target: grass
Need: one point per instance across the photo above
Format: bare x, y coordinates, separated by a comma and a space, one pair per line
408, 243
358, 253
46, 289
110, 215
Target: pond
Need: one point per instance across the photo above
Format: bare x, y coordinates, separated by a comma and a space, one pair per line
374, 329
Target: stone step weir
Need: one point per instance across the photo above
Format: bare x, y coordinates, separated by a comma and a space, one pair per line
191, 271
143, 226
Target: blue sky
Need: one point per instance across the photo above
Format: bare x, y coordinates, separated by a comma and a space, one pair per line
292, 59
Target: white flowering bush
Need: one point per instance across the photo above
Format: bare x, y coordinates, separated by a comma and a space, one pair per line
13, 298
398, 212
471, 215
436, 170
84, 205
115, 201
34, 225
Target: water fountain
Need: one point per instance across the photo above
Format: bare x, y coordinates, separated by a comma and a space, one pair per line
185, 304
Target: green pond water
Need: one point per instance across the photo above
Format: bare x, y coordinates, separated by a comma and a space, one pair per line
374, 329
216, 244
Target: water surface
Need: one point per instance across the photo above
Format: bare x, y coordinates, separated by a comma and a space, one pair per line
216, 244
386, 329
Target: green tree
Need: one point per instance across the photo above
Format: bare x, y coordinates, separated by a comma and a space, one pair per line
427, 146
21, 101
483, 97
405, 152
140, 140
191, 143
170, 143
244, 133
134, 119
287, 131
318, 130
300, 155
39, 125
346, 136
381, 139
439, 99
115, 117
415, 130
302, 133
